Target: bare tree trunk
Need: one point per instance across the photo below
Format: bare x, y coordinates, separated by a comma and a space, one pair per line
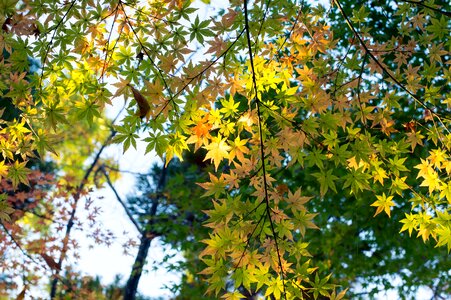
148, 234
135, 275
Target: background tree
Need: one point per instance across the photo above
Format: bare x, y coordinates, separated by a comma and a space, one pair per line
77, 286
167, 205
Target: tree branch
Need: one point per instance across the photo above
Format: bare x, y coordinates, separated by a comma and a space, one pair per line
13, 239
127, 211
421, 3
55, 28
262, 147
383, 68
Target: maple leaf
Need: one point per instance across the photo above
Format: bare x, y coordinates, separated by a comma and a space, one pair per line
445, 191
143, 105
3, 169
444, 237
383, 203
217, 150
410, 223
275, 288
426, 227
5, 209
326, 180
168, 62
201, 134
18, 173
236, 295
415, 138
431, 180
303, 221
379, 174
50, 261
217, 46
339, 296
215, 186
238, 149
121, 87
296, 202
437, 156
229, 107
424, 168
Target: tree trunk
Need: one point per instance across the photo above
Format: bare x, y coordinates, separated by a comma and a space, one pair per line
135, 275
146, 238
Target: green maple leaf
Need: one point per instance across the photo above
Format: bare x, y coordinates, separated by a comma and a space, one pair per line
54, 114
5, 209
326, 180
439, 27
199, 30
87, 110
156, 141
357, 180
126, 135
18, 173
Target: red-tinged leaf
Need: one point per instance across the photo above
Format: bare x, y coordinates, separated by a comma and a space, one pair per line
143, 105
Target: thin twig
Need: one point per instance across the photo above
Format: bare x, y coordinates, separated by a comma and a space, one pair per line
200, 73
382, 67
119, 199
421, 3
13, 239
107, 45
55, 28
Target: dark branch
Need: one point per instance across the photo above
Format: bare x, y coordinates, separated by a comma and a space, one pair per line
382, 67
55, 29
421, 3
262, 146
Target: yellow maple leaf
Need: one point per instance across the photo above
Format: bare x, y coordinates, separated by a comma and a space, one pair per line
3, 169
424, 168
447, 166
236, 295
239, 148
379, 174
217, 151
431, 180
437, 156
383, 203
410, 223
445, 191
352, 163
